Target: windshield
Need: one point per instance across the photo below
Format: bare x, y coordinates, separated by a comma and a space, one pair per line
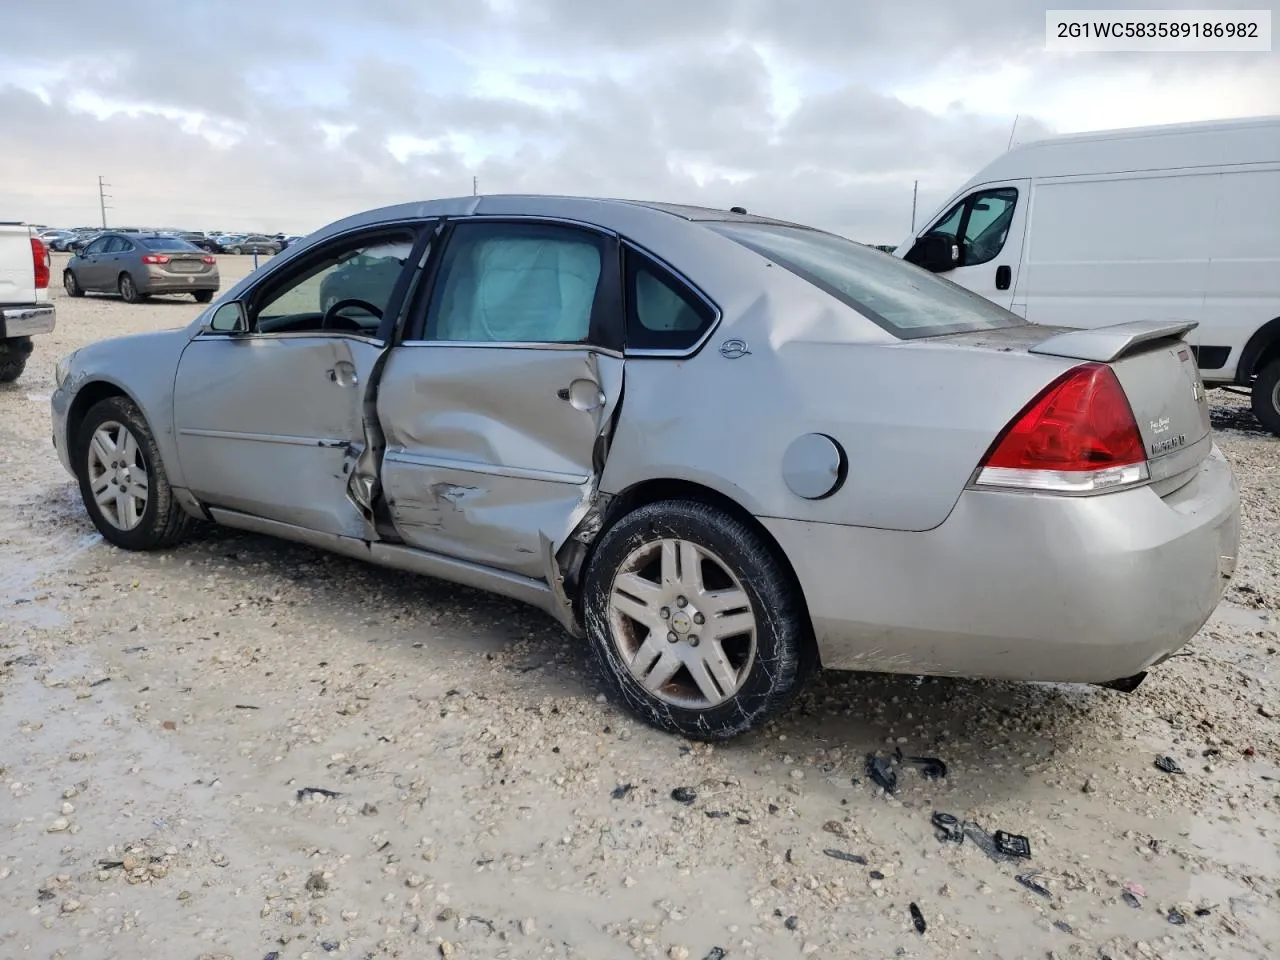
166, 243
905, 300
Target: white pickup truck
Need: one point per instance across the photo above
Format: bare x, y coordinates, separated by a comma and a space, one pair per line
25, 309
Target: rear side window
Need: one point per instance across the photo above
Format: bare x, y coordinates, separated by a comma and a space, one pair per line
662, 312
905, 300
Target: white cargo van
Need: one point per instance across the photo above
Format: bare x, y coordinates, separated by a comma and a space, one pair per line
1151, 223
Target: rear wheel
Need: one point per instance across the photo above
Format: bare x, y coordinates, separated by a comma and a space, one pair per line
203, 296
696, 626
122, 479
13, 358
1266, 396
237, 251
71, 284
129, 289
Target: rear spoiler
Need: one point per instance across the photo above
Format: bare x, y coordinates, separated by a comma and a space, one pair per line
1107, 344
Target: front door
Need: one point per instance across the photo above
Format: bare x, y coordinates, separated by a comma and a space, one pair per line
987, 228
92, 267
271, 421
496, 409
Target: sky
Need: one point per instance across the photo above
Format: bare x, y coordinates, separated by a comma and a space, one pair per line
283, 115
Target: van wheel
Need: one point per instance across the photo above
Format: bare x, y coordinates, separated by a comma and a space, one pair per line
1266, 396
696, 626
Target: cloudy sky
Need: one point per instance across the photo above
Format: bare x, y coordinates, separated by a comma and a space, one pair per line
286, 114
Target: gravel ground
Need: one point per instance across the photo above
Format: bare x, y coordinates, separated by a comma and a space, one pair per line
163, 717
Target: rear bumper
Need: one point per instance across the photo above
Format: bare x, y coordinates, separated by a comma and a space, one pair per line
26, 320
1023, 586
182, 283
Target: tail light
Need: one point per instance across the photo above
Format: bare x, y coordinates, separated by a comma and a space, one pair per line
154, 258
1078, 436
40, 261
209, 259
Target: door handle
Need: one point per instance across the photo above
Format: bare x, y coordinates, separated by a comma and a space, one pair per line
1004, 276
343, 374
584, 395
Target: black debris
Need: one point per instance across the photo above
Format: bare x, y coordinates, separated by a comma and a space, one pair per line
329, 946
791, 922
949, 828
621, 790
1063, 926
743, 821
684, 795
1203, 912
1029, 881
1168, 765
717, 814
369, 810
881, 772
877, 875
25, 660
1176, 917
1211, 752
482, 921
497, 754
787, 856
317, 792
138, 649
717, 953
273, 955
245, 706
773, 808
847, 857
316, 883
42, 894
917, 918
1012, 845
931, 768
1131, 899
98, 683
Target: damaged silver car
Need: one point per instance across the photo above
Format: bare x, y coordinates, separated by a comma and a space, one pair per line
724, 450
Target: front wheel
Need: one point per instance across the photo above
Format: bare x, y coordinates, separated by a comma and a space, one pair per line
697, 627
122, 479
1266, 396
237, 251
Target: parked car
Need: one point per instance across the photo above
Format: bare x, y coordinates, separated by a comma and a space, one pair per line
140, 265
253, 243
205, 243
1167, 222
25, 310
822, 455
81, 241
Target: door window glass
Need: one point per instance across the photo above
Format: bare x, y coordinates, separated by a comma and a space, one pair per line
97, 247
116, 245
345, 288
516, 283
985, 231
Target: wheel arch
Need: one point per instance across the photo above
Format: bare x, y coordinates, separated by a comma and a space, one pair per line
89, 394
1260, 349
645, 492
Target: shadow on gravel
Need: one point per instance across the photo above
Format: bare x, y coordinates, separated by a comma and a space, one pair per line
1239, 419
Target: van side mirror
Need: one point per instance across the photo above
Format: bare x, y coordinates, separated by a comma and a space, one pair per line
230, 319
935, 252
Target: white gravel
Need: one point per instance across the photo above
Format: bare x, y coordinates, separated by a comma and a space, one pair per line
162, 716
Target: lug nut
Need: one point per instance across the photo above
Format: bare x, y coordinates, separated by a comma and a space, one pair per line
681, 602
671, 637
693, 640
699, 618
665, 613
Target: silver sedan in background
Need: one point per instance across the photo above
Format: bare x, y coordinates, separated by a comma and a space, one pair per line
138, 265
722, 449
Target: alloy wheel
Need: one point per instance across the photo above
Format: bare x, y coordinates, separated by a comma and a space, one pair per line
118, 475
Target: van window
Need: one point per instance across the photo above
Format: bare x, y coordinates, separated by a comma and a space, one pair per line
905, 300
981, 221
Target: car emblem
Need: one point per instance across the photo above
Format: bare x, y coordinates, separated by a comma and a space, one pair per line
733, 349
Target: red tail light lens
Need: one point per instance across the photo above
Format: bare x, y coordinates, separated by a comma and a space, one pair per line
209, 259
1078, 436
40, 261
154, 258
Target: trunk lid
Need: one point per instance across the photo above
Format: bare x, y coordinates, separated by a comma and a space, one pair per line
1157, 370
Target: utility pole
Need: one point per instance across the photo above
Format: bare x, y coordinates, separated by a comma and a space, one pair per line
103, 197
915, 190
475, 186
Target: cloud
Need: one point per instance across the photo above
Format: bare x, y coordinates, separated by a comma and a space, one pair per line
286, 115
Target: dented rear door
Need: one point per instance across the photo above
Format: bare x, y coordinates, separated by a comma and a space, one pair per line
496, 410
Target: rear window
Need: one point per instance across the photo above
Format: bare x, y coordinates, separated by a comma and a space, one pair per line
905, 300
166, 243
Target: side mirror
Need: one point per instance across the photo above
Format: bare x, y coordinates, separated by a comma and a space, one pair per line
230, 319
935, 252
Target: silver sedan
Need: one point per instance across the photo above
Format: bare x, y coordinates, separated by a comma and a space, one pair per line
723, 450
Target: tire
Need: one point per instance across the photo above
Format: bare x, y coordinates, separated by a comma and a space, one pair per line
203, 296
237, 251
1265, 396
13, 359
160, 522
129, 289
71, 284
759, 673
